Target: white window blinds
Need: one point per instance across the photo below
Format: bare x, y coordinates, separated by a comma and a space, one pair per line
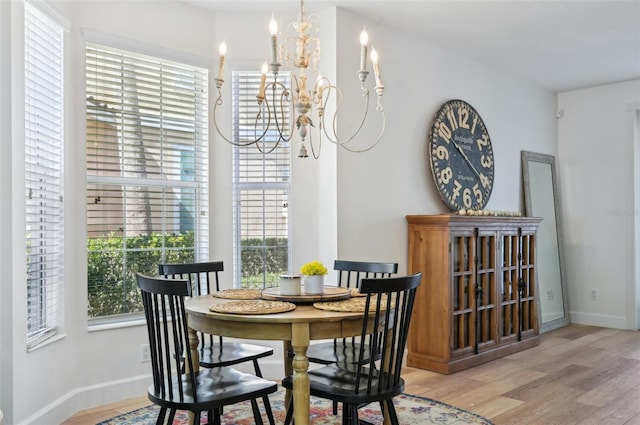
146, 172
43, 174
261, 188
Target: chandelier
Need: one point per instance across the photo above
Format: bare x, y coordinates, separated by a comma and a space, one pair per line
302, 102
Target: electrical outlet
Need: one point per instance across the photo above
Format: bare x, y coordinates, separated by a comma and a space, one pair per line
145, 353
593, 294
550, 294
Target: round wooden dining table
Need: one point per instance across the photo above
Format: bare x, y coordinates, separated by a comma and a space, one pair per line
295, 328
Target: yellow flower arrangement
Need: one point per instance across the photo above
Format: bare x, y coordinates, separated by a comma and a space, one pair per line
314, 268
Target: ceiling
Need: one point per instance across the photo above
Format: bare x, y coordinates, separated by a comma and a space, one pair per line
558, 44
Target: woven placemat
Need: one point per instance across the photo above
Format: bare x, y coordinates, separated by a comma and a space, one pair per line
239, 294
355, 292
351, 305
252, 307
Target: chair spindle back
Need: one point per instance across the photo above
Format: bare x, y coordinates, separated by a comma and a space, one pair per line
204, 279
351, 272
389, 306
164, 311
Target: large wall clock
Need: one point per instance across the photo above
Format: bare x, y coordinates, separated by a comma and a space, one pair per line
461, 156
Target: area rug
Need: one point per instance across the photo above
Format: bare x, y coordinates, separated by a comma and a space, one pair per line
412, 410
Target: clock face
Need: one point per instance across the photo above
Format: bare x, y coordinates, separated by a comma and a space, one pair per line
461, 156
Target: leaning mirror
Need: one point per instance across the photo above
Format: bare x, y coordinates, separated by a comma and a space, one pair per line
541, 200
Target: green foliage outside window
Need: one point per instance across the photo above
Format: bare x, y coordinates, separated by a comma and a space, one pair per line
263, 260
112, 270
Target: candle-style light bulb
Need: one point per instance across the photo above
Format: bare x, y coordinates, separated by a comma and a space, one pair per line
376, 66
263, 79
273, 25
273, 30
364, 40
222, 50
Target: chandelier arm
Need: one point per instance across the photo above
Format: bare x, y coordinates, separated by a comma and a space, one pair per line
335, 140
322, 104
313, 151
259, 141
284, 99
225, 138
384, 123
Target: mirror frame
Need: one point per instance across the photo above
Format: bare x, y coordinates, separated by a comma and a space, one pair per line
528, 157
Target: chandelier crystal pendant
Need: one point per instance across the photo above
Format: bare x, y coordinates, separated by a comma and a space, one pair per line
302, 102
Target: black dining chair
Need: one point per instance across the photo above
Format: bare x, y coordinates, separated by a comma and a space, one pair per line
350, 273
388, 309
213, 350
189, 388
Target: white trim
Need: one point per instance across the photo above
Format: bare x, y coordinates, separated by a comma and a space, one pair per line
97, 327
123, 43
48, 341
52, 13
601, 320
91, 395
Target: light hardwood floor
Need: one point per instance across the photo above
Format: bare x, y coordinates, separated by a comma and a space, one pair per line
577, 375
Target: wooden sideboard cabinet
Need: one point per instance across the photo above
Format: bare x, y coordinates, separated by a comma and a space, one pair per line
478, 298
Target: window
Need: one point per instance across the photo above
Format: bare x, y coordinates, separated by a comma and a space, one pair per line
261, 192
44, 104
146, 172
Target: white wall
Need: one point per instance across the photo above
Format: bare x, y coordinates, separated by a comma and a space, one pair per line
378, 189
6, 379
599, 201
345, 205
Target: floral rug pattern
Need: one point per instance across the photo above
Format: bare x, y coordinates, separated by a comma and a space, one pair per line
412, 410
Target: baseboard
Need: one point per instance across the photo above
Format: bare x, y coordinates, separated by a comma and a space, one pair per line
118, 390
89, 396
601, 320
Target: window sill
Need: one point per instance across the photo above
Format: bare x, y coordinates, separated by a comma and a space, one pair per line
48, 341
98, 327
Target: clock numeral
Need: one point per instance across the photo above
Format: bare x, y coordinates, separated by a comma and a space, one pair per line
483, 142
444, 132
478, 193
442, 153
486, 161
452, 119
484, 180
464, 118
466, 197
473, 126
445, 175
461, 121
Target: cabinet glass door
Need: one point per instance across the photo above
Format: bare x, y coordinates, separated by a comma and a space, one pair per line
485, 289
509, 322
463, 253
529, 318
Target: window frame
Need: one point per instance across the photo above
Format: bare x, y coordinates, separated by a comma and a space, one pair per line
170, 177
44, 57
284, 187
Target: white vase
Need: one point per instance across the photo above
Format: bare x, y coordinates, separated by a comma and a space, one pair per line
313, 284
